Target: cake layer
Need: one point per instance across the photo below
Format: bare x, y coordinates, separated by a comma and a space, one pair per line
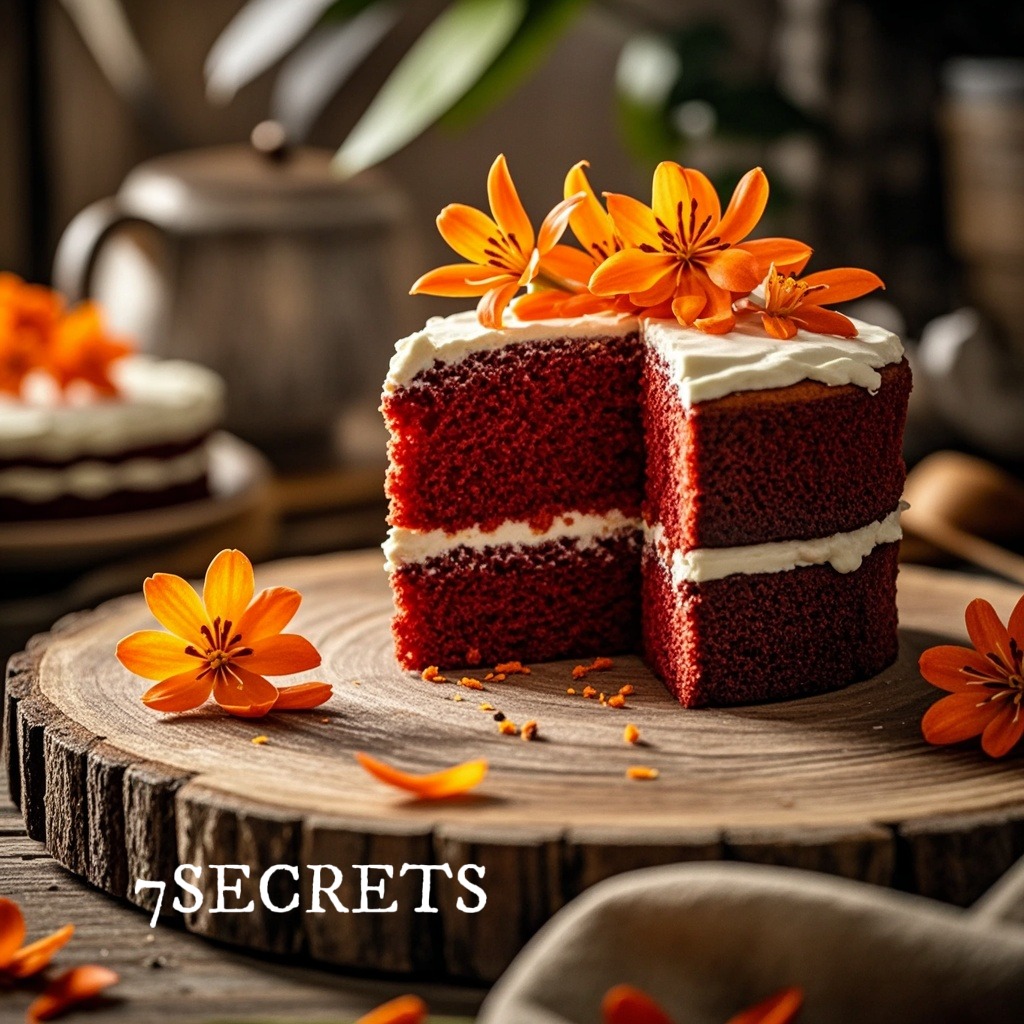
68, 506
551, 600
798, 462
769, 636
525, 431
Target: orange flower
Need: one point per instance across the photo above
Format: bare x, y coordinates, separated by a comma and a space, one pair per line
78, 985
82, 350
686, 258
625, 1004
224, 644
18, 961
986, 685
28, 318
403, 1010
503, 253
454, 781
792, 303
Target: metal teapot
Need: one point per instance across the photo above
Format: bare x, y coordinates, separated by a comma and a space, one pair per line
258, 262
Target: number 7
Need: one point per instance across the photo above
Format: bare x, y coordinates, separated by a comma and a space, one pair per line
144, 883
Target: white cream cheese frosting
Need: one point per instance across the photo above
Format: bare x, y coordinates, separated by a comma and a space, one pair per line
160, 402
843, 551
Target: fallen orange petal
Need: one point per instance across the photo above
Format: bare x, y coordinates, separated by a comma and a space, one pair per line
780, 1008
66, 991
36, 956
460, 778
12, 921
403, 1010
301, 696
625, 1004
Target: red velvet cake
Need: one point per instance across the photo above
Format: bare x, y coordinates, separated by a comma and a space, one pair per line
727, 505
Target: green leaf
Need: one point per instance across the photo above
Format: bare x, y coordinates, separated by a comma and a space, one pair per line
442, 65
545, 22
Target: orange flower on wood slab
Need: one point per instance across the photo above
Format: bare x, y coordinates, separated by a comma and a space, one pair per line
625, 1004
70, 989
83, 350
18, 961
454, 781
985, 685
791, 303
403, 1010
503, 253
28, 317
687, 259
223, 644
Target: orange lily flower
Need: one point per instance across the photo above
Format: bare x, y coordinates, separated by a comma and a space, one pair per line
28, 318
625, 1004
224, 644
68, 990
985, 685
454, 781
403, 1010
686, 258
18, 961
82, 350
792, 303
503, 253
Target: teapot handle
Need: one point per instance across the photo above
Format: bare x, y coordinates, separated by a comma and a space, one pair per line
81, 242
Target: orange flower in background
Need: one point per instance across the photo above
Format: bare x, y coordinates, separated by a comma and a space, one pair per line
81, 349
403, 1010
28, 317
502, 251
791, 303
453, 781
625, 1004
685, 257
18, 961
70, 989
224, 644
985, 685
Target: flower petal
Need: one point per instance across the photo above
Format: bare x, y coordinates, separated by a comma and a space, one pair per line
824, 321
302, 696
468, 231
551, 304
451, 782
625, 1004
780, 1008
843, 284
686, 308
958, 717
491, 307
733, 269
450, 280
708, 205
506, 206
1003, 733
633, 221
1015, 627
590, 222
279, 655
779, 327
942, 667
176, 606
403, 1010
36, 956
570, 263
12, 930
272, 610
745, 207
75, 986
182, 692
717, 316
246, 695
988, 634
229, 586
661, 291
632, 270
153, 654
788, 255
670, 198
554, 224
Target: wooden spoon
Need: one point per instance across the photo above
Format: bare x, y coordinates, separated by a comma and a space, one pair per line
965, 506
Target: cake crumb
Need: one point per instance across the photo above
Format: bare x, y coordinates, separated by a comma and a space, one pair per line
512, 668
627, 690
499, 716
642, 773
432, 674
324, 721
259, 740
529, 730
631, 734
473, 656
486, 707
600, 698
571, 691
616, 701
597, 665
495, 677
589, 692
471, 684
458, 697
507, 728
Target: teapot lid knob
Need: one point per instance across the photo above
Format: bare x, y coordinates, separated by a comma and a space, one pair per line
270, 139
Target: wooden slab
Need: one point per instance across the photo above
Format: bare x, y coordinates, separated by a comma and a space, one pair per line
840, 783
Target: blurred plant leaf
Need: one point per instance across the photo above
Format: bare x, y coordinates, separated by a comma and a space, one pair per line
311, 76
259, 35
442, 65
545, 22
